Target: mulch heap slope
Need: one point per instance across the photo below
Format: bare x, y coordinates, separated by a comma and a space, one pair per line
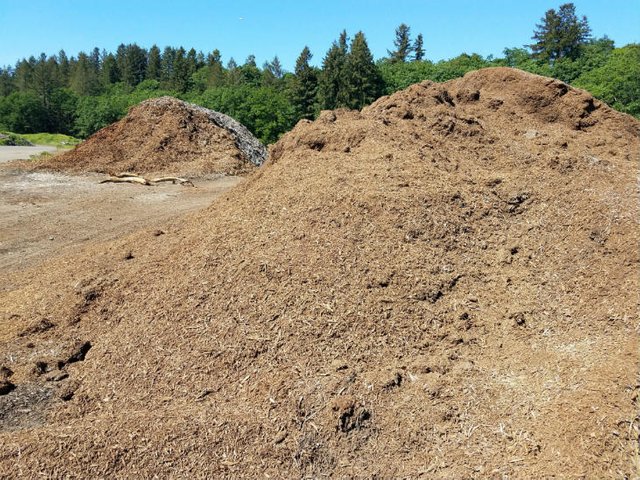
442, 285
166, 136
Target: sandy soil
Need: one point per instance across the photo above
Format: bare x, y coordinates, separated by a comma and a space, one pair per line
43, 214
22, 153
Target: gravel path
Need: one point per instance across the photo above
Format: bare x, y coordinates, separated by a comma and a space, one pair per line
22, 153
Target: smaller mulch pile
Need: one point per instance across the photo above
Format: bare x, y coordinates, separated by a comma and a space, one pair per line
166, 136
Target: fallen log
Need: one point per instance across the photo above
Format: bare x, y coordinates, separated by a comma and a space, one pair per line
174, 180
138, 180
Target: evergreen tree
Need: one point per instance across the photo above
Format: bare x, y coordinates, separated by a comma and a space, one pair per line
44, 76
200, 61
181, 71
305, 86
560, 35
121, 60
216, 70
234, 75
251, 61
64, 68
135, 65
23, 74
214, 57
251, 74
402, 44
94, 59
418, 49
331, 89
272, 73
110, 73
83, 77
166, 73
6, 82
192, 61
154, 64
275, 67
364, 82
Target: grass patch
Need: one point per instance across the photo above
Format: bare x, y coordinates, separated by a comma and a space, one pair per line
40, 156
11, 139
58, 140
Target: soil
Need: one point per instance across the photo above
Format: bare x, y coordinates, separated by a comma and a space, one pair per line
165, 136
43, 214
443, 285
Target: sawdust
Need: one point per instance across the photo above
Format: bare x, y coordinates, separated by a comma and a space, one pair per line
165, 136
443, 285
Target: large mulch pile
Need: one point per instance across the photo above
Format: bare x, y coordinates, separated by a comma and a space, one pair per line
443, 285
165, 136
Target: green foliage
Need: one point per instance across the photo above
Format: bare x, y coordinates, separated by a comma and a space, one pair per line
13, 140
617, 81
560, 35
418, 48
266, 111
402, 43
458, 66
362, 77
58, 140
23, 112
332, 83
94, 113
398, 76
305, 86
79, 95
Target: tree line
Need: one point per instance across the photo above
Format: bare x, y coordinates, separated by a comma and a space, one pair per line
80, 94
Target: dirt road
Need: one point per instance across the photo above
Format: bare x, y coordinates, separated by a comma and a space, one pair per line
23, 153
43, 214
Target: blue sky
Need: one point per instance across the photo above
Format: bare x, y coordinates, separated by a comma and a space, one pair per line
266, 28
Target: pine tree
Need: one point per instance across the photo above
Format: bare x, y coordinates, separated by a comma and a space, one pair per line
94, 58
402, 44
251, 74
418, 49
331, 88
135, 65
64, 68
272, 73
192, 61
83, 77
23, 74
560, 35
276, 68
6, 82
121, 60
154, 64
166, 74
305, 86
251, 61
234, 75
181, 72
216, 70
110, 73
43, 81
364, 81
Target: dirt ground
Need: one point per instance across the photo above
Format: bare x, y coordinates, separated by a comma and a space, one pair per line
43, 214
